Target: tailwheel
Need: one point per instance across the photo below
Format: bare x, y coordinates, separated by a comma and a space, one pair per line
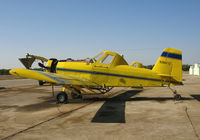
177, 97
61, 98
75, 95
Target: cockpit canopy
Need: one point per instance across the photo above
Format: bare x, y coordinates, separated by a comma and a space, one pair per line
109, 58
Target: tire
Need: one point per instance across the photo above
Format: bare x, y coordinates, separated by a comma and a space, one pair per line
177, 97
41, 82
62, 98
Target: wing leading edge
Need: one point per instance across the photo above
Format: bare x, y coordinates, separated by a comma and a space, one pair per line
51, 77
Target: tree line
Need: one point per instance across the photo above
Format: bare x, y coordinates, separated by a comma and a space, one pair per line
4, 72
185, 67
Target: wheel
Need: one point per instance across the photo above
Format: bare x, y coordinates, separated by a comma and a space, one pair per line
177, 97
76, 96
61, 98
41, 82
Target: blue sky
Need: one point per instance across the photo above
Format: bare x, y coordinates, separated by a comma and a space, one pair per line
139, 29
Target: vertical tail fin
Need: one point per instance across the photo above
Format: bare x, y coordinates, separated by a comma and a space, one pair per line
170, 64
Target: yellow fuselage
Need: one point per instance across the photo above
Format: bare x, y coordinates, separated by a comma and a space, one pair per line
119, 76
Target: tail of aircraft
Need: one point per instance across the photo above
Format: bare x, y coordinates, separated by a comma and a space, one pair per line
169, 65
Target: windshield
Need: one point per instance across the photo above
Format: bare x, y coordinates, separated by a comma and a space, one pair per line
98, 57
107, 60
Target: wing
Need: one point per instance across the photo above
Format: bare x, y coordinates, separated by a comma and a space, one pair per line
61, 79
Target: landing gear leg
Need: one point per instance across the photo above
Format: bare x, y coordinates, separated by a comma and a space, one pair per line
75, 95
177, 96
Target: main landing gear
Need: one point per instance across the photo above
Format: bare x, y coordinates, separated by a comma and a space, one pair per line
62, 97
76, 95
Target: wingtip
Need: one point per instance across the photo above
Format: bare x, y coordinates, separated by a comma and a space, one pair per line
13, 72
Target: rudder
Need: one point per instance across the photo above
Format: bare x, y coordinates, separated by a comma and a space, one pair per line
169, 64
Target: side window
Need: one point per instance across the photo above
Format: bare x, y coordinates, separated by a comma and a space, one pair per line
107, 60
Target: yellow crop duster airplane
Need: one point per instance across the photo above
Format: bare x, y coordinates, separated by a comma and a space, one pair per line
106, 70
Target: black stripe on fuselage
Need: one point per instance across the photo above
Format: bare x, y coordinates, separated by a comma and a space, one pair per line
108, 74
117, 75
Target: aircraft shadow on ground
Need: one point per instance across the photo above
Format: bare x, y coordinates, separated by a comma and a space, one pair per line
197, 97
48, 103
113, 110
2, 88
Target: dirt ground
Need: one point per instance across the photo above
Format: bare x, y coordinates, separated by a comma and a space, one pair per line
28, 111
8, 77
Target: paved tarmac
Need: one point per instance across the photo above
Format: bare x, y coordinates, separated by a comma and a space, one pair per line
28, 111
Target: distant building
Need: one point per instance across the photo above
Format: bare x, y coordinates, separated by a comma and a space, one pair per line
194, 70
